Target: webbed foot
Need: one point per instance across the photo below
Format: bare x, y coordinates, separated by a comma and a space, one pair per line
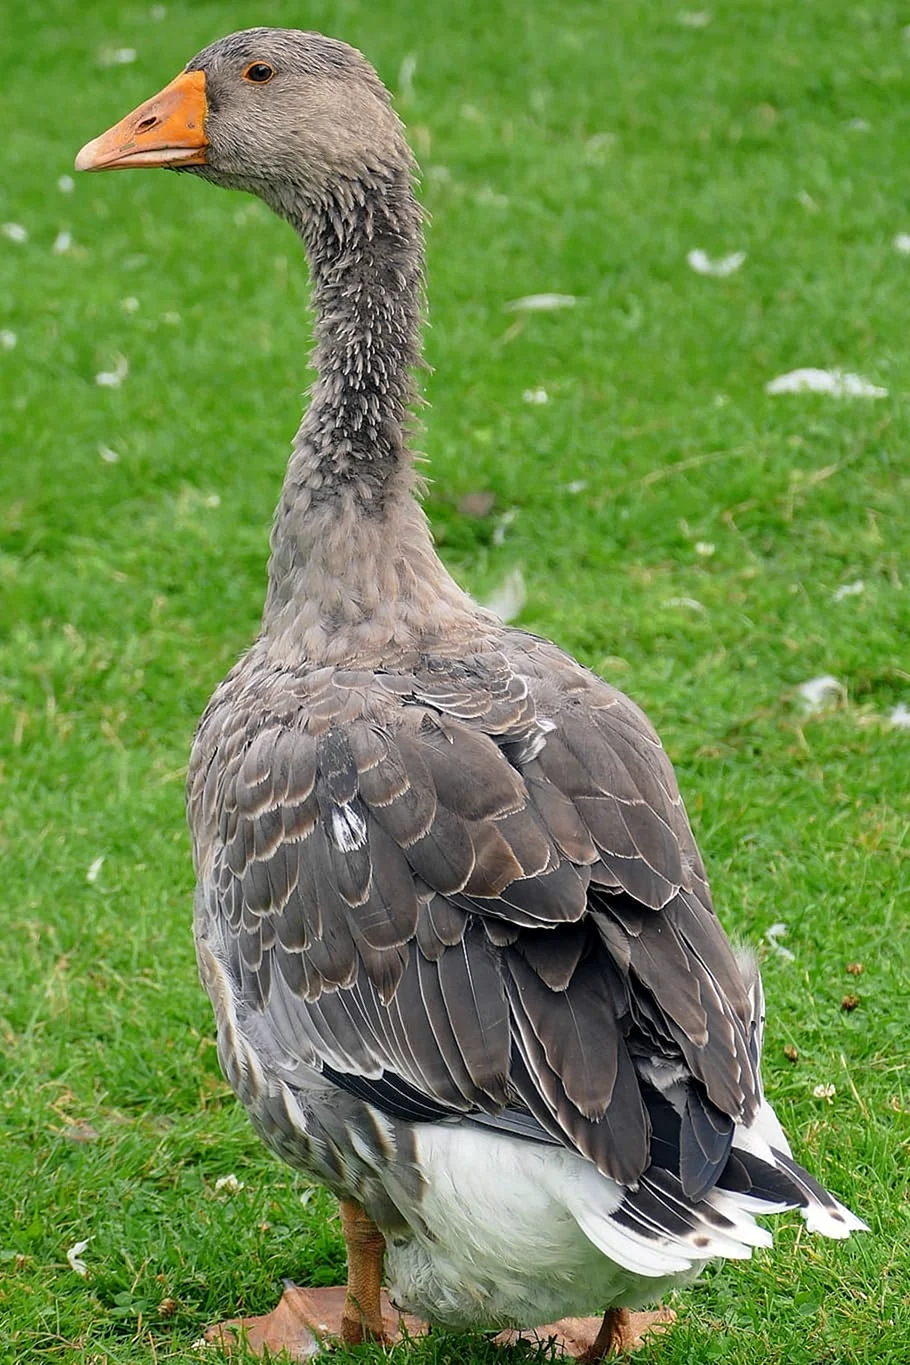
591, 1340
307, 1321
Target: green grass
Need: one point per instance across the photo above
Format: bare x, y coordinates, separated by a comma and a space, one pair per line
576, 147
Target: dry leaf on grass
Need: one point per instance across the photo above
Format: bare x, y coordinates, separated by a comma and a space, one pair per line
476, 504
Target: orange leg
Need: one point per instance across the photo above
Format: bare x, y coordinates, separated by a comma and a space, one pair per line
613, 1337
304, 1318
362, 1316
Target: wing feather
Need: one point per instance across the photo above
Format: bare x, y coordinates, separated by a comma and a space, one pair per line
468, 886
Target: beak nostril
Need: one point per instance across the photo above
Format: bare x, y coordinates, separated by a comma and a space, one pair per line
167, 130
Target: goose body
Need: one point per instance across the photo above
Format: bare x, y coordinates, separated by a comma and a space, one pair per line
465, 969
450, 913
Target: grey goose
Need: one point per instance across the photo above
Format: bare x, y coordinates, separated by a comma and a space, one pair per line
450, 913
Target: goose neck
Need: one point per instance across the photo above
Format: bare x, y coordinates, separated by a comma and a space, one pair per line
353, 573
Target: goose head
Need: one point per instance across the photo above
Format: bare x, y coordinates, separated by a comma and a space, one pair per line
278, 112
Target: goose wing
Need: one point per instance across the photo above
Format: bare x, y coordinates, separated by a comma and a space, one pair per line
469, 887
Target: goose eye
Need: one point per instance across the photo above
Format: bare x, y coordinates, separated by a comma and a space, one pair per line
259, 73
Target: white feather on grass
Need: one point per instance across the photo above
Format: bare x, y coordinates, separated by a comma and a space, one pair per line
835, 383
509, 597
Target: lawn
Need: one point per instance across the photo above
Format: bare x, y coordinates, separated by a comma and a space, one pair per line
676, 527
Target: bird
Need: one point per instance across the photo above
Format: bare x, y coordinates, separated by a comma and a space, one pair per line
450, 913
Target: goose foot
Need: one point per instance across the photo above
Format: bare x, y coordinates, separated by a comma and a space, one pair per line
590, 1340
307, 1321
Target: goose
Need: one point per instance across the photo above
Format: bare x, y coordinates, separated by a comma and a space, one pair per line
450, 913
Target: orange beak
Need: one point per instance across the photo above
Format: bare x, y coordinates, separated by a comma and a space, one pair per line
168, 130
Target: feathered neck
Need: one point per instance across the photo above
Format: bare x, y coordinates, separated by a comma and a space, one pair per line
353, 573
